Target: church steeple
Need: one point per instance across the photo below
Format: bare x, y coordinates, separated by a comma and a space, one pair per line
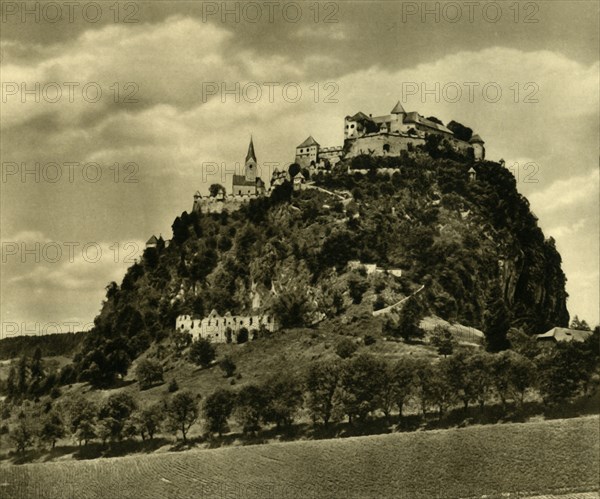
251, 154
250, 169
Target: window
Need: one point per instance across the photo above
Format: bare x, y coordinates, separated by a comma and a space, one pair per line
386, 148
352, 126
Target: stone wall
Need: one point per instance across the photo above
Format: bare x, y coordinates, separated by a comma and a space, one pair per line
214, 327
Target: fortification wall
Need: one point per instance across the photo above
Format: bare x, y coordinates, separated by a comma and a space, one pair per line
381, 145
216, 205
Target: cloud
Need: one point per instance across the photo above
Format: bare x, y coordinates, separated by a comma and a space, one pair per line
567, 193
174, 129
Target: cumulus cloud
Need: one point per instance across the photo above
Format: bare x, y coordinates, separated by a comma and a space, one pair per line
174, 128
567, 193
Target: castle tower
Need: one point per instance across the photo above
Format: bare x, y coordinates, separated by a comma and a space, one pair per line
250, 168
197, 202
400, 115
478, 147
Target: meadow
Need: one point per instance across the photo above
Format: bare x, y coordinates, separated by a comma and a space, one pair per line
541, 457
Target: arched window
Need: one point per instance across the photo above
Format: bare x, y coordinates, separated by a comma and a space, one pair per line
386, 148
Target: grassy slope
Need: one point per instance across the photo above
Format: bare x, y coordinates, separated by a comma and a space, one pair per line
288, 351
547, 456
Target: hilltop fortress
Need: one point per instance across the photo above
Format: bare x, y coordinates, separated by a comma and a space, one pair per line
386, 135
381, 136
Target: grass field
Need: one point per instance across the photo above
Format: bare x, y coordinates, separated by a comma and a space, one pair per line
531, 458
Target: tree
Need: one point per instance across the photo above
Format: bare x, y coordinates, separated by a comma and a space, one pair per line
523, 343
214, 190
22, 434
52, 428
249, 408
294, 169
460, 377
480, 366
321, 383
410, 317
115, 413
439, 387
461, 132
150, 419
217, 408
81, 418
360, 383
284, 399
182, 413
496, 322
242, 336
423, 374
148, 373
404, 378
442, 339
501, 366
228, 366
561, 373
522, 377
346, 348
202, 352
181, 340
357, 286
581, 325
173, 386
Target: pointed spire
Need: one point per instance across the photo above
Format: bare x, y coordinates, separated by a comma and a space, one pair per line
251, 154
398, 109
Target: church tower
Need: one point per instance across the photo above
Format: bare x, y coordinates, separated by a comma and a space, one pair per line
250, 168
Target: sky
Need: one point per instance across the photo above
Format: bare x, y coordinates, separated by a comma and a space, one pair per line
111, 118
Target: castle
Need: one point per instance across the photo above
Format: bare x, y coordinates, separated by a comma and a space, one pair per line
386, 135
223, 329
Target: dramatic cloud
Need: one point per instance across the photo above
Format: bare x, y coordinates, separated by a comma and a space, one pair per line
201, 92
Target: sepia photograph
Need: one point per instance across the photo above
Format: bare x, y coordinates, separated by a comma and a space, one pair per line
300, 249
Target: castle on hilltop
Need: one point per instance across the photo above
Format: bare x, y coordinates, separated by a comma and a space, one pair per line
380, 136
386, 135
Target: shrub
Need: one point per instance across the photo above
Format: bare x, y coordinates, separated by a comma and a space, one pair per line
202, 352
369, 339
173, 386
148, 373
345, 348
228, 366
217, 409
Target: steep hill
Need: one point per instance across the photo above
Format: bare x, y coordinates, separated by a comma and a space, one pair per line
474, 246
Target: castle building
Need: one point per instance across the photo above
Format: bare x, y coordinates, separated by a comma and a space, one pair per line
248, 184
217, 328
311, 155
386, 135
397, 122
478, 148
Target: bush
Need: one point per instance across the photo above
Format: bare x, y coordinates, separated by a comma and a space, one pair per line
216, 410
202, 352
369, 339
228, 366
148, 373
173, 386
345, 348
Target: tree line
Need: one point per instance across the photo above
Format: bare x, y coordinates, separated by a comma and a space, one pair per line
356, 389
